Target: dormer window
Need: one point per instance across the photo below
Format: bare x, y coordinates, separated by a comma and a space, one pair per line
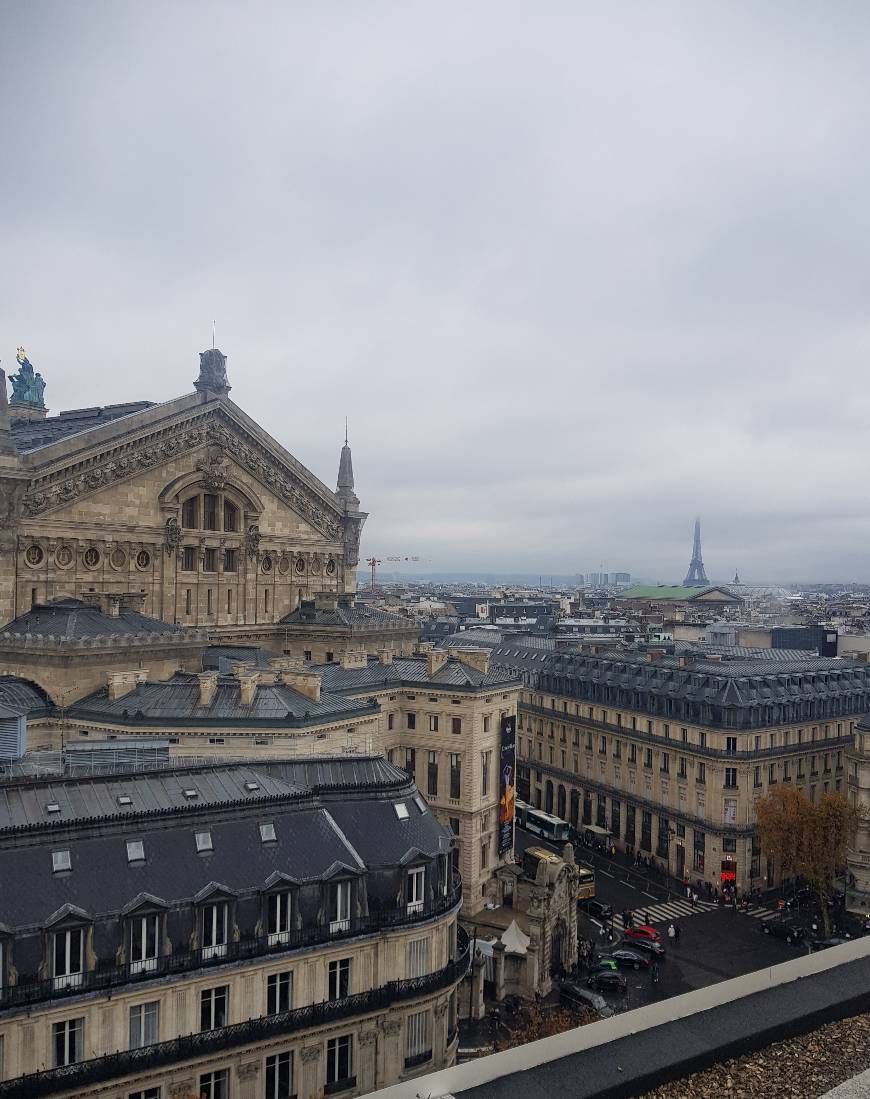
278, 908
68, 957
135, 851
52, 808
267, 833
401, 810
190, 794
123, 799
214, 929
339, 907
416, 889
144, 943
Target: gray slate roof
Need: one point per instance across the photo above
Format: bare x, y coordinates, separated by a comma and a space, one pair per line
177, 701
20, 696
347, 616
411, 672
72, 619
33, 434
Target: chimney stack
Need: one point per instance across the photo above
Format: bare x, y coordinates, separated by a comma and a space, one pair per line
207, 686
248, 687
435, 660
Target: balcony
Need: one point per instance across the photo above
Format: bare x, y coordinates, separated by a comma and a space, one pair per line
178, 1050
110, 976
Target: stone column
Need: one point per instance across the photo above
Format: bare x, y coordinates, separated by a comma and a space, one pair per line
477, 974
367, 1062
311, 1082
498, 953
532, 965
392, 1055
247, 1074
439, 1034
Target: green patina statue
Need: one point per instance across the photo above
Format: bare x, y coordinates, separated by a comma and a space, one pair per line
27, 386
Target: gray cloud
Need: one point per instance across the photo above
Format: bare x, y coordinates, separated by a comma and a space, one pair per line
574, 273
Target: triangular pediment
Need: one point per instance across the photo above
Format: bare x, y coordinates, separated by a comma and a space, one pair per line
715, 595
217, 436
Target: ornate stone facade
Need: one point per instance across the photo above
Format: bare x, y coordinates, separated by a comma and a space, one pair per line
188, 503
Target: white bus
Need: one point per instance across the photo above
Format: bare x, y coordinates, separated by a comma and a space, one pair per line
542, 824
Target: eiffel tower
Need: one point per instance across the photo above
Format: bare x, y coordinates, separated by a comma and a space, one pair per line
696, 577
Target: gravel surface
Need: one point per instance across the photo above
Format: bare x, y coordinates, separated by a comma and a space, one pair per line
802, 1068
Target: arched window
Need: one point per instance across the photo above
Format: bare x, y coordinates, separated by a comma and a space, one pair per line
211, 511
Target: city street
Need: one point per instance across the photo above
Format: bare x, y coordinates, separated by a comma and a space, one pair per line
715, 943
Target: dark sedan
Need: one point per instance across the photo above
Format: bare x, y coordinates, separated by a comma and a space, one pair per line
655, 951
607, 980
598, 910
627, 959
780, 929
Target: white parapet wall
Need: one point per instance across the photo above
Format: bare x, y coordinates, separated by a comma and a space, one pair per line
481, 1071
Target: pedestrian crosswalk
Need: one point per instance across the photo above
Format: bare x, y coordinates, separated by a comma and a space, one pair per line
762, 913
677, 909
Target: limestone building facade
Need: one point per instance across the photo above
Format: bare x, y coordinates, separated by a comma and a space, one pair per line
228, 932
188, 503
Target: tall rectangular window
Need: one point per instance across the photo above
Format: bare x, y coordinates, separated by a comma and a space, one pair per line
188, 559
68, 958
215, 1085
230, 561
730, 777
279, 1075
209, 560
214, 930
416, 889
455, 775
418, 957
188, 600
210, 512
279, 992
68, 1039
189, 513
144, 939
432, 775
411, 762
418, 1041
339, 1060
144, 1024
278, 925
213, 1008
485, 767
456, 725
339, 979
411, 719
433, 723
339, 909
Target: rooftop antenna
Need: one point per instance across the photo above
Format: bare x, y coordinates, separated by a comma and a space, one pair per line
345, 431
212, 335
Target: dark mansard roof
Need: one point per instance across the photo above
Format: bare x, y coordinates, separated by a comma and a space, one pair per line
34, 434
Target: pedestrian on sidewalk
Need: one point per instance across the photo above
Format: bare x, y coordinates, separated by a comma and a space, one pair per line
672, 932
694, 900
676, 933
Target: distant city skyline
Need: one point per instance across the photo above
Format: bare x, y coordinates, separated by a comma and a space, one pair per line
591, 285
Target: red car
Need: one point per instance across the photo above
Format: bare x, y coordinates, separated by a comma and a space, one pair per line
642, 931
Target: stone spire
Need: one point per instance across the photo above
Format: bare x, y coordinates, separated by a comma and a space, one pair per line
212, 378
344, 489
7, 443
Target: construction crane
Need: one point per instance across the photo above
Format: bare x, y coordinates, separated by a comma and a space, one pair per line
373, 563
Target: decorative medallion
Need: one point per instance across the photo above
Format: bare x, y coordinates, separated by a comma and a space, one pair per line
64, 557
300, 564
117, 558
315, 565
284, 564
267, 563
330, 567
34, 555
143, 559
91, 557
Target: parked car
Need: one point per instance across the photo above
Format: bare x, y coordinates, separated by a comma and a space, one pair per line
781, 929
598, 910
574, 995
628, 959
608, 979
650, 947
642, 931
605, 961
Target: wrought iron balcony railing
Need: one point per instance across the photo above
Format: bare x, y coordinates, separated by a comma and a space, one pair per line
174, 1052
105, 977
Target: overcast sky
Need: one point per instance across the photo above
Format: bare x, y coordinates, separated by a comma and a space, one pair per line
575, 272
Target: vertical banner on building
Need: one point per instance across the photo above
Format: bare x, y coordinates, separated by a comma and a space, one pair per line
507, 784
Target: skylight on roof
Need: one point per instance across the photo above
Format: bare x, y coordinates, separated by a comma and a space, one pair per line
267, 833
252, 786
52, 807
135, 851
60, 861
401, 810
123, 799
191, 793
203, 841
421, 805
